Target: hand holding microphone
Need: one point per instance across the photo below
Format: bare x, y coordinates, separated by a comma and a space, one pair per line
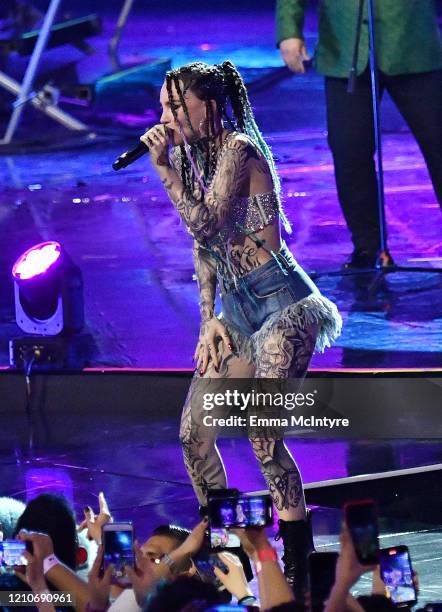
155, 142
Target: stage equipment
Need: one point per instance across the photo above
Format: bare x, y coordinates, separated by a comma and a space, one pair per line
48, 291
115, 40
70, 32
24, 90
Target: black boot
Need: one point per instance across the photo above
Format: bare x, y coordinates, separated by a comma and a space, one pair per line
297, 538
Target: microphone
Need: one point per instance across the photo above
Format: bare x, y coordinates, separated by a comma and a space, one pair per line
129, 157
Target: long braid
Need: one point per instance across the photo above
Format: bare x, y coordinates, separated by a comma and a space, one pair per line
245, 120
187, 173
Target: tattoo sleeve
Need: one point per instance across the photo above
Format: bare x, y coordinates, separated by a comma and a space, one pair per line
205, 218
205, 270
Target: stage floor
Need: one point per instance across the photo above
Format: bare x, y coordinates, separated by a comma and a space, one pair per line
141, 301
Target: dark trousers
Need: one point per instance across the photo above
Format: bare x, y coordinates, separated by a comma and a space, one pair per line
351, 139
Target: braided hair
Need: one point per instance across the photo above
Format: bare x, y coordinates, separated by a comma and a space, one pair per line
224, 84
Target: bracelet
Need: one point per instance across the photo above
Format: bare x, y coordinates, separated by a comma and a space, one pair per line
49, 563
267, 554
167, 560
248, 599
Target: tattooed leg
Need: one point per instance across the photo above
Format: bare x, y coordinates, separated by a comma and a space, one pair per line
282, 476
285, 354
201, 457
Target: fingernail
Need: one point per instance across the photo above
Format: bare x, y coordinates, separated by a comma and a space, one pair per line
201, 371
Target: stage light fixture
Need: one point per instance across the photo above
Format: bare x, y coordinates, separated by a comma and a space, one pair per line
48, 290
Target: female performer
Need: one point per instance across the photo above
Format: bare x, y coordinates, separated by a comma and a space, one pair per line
220, 176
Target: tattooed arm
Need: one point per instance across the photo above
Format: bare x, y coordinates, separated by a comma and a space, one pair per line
205, 271
211, 330
205, 218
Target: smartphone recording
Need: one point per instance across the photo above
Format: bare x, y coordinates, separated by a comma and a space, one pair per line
240, 511
118, 543
362, 522
397, 575
11, 554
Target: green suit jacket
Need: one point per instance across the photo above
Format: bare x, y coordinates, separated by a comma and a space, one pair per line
406, 33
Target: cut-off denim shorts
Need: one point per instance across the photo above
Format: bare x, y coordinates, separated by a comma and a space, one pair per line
259, 294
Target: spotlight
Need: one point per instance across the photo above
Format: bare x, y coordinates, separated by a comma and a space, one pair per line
48, 291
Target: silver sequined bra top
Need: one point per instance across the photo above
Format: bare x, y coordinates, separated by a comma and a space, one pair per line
248, 215
253, 213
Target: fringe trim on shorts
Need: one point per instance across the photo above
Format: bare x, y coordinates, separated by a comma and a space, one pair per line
313, 309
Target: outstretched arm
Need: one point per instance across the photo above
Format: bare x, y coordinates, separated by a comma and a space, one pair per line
203, 218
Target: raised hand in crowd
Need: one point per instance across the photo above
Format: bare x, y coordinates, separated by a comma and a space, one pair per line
348, 571
94, 522
33, 573
274, 589
180, 558
99, 585
145, 575
58, 574
234, 579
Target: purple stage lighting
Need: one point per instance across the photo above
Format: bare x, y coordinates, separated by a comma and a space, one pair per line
36, 260
48, 291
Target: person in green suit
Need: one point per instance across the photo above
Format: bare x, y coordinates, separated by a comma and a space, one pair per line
409, 53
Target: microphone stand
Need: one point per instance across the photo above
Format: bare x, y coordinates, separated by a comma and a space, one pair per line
380, 271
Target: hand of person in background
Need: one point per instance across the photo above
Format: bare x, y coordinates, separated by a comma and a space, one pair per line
94, 522
274, 589
42, 545
33, 573
145, 575
194, 541
294, 54
252, 540
179, 560
99, 586
235, 580
348, 570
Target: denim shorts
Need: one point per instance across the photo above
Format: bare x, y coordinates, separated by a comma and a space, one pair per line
259, 294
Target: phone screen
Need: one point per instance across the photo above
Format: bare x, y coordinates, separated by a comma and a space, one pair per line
204, 562
11, 553
361, 519
397, 574
241, 511
118, 548
222, 538
322, 569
